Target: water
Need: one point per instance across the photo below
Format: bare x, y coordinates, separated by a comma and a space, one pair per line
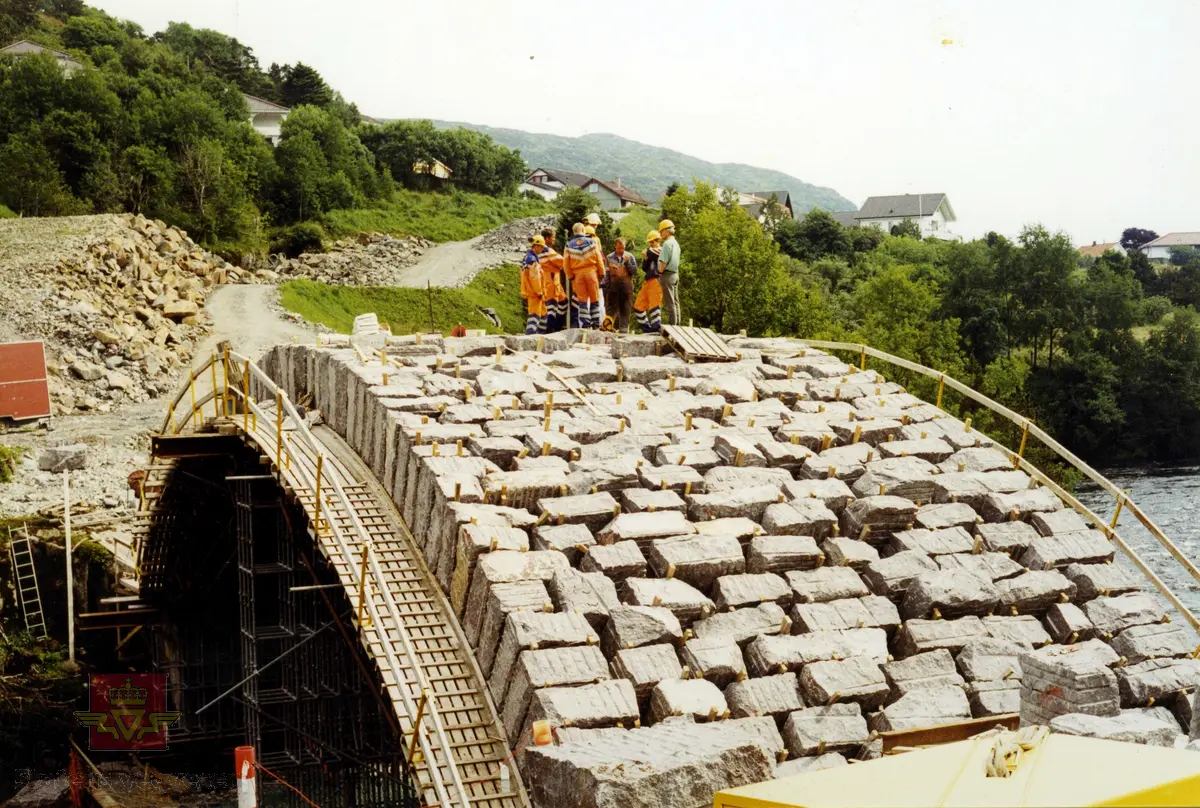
1170, 497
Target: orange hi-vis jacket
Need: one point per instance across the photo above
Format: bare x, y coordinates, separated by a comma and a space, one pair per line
552, 266
532, 287
584, 265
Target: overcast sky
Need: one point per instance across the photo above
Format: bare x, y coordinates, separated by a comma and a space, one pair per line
1080, 115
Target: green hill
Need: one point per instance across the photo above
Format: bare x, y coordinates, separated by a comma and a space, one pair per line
650, 169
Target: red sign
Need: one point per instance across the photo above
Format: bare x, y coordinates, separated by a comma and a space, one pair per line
24, 393
127, 711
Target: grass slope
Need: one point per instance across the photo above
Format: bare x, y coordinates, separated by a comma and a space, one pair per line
453, 216
5, 213
650, 169
407, 310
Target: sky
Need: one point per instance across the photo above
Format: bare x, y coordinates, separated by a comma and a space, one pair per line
1073, 114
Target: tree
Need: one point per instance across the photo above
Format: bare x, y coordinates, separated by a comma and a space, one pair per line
773, 213
1134, 237
908, 228
573, 205
304, 85
30, 183
816, 236
899, 314
15, 17
62, 9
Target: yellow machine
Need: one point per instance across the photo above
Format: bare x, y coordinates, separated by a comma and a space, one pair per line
1010, 769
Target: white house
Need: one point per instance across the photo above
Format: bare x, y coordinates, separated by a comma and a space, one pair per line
1160, 248
932, 213
266, 117
24, 48
547, 182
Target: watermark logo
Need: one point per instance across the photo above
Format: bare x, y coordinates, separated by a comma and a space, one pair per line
127, 711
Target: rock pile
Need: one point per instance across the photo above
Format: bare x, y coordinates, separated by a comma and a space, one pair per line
514, 236
369, 259
119, 309
782, 546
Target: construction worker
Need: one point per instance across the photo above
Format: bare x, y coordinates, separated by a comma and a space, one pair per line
668, 264
621, 267
647, 307
553, 292
533, 288
583, 264
590, 232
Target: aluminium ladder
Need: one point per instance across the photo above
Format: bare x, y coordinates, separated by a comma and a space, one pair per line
20, 550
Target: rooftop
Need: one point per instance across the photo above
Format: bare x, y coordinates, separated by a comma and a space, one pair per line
1190, 238
888, 207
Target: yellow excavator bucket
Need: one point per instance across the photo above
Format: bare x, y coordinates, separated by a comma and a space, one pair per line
1061, 770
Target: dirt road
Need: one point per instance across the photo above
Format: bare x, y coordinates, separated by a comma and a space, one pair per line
454, 263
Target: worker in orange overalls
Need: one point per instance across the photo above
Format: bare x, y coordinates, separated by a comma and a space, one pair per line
553, 293
648, 306
583, 264
533, 288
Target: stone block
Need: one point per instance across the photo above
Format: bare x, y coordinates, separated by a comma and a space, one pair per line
743, 625
551, 667
698, 698
553, 444
1064, 549
774, 696
909, 477
949, 594
591, 594
1006, 537
1018, 505
618, 561
637, 500
525, 631
750, 589
570, 540
923, 707
799, 517
946, 515
696, 457
737, 451
739, 527
636, 626
983, 458
995, 697
821, 729
1035, 591
919, 636
932, 542
857, 679
522, 489
778, 654
841, 551
876, 518
717, 659
805, 765
593, 511
933, 669
1095, 580
1139, 643
833, 493
680, 479
731, 478
682, 765
539, 463
781, 554
646, 666
749, 502
890, 577
824, 584
990, 566
1130, 726
500, 451
836, 615
1156, 679
932, 450
644, 528
684, 600
1111, 616
474, 540
785, 456
763, 729
647, 369
1025, 630
56, 459
875, 433
1067, 624
845, 463
1071, 679
987, 658
1054, 522
697, 560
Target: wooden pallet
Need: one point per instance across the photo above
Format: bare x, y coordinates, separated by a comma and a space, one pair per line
698, 343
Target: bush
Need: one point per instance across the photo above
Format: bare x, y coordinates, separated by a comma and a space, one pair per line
5, 213
298, 238
1153, 309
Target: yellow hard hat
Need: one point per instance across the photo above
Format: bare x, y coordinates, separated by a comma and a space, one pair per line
589, 230
653, 235
593, 219
666, 223
538, 240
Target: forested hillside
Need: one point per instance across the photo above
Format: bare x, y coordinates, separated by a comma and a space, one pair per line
650, 170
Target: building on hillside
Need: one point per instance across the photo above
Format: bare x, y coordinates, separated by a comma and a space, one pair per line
434, 168
1160, 248
753, 202
612, 194
266, 117
547, 182
68, 63
1097, 249
932, 213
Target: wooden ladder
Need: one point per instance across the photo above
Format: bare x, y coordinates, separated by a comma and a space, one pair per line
21, 551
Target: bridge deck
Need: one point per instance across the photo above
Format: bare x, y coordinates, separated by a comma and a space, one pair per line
447, 668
